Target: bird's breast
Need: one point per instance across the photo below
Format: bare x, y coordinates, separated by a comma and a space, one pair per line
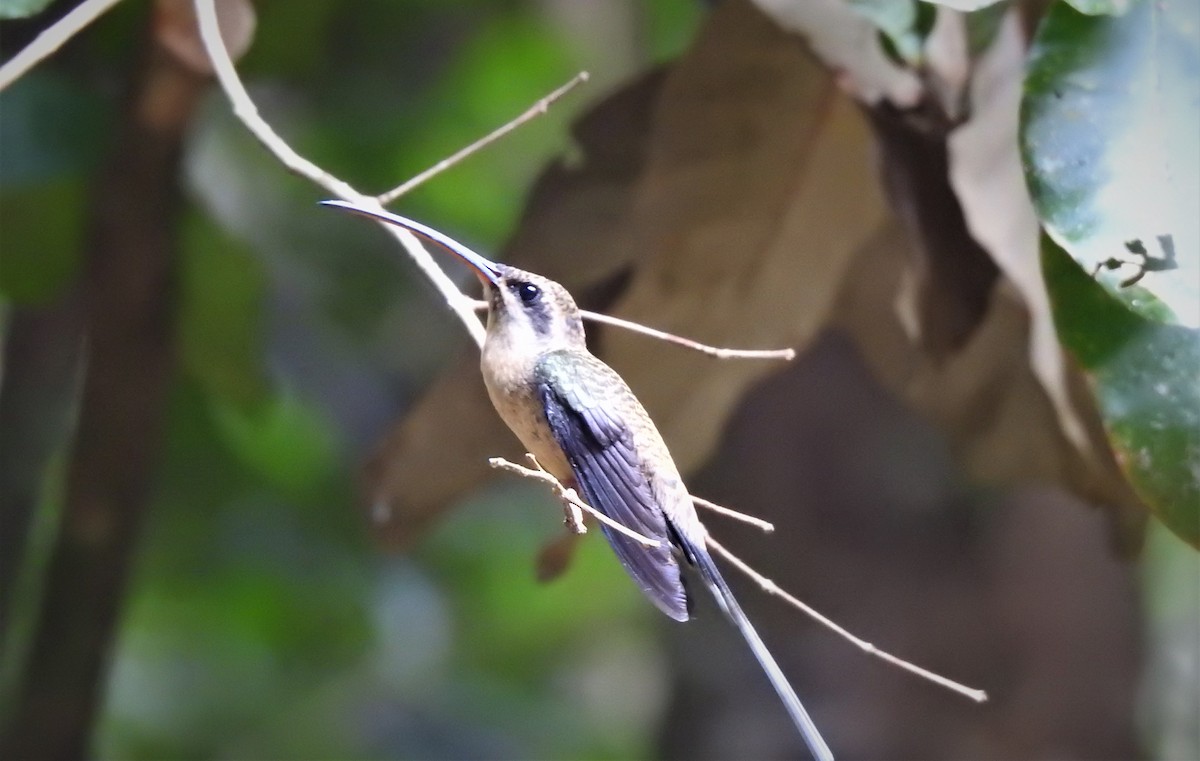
514, 394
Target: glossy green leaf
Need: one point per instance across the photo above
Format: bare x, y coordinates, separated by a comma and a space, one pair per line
1109, 128
1145, 376
21, 8
963, 5
1090, 7
1101, 7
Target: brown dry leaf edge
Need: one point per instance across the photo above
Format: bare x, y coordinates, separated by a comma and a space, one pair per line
735, 198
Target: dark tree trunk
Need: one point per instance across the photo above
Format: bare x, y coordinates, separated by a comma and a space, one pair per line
127, 291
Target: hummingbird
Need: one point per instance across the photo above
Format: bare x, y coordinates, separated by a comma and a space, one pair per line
585, 426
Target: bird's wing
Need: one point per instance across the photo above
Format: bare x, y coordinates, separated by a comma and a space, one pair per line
600, 450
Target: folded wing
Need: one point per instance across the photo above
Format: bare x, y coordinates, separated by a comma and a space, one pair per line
600, 450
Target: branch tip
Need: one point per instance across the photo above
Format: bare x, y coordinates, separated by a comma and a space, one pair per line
771, 588
534, 111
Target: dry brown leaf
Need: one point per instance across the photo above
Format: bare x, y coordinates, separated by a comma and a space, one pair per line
177, 30
733, 225
848, 44
734, 199
566, 232
758, 192
985, 398
971, 344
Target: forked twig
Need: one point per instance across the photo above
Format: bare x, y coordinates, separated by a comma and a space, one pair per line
570, 498
637, 327
464, 307
771, 588
766, 526
534, 111
247, 112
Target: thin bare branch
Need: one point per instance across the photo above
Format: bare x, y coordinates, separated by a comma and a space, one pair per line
772, 588
247, 112
464, 307
713, 351
766, 526
568, 496
637, 327
534, 111
52, 39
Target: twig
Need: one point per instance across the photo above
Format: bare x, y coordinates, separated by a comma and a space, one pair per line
569, 496
637, 327
720, 509
772, 588
52, 39
463, 307
247, 112
534, 111
719, 353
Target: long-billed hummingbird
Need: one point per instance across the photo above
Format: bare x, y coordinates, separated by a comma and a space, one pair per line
578, 417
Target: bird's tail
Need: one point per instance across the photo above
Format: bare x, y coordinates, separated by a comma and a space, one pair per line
724, 596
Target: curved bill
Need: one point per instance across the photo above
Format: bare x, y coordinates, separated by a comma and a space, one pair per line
487, 270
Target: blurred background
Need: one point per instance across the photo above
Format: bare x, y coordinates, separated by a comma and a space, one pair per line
256, 610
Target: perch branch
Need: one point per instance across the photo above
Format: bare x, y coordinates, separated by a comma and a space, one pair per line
534, 111
247, 112
637, 327
719, 353
766, 526
771, 588
569, 497
463, 307
52, 39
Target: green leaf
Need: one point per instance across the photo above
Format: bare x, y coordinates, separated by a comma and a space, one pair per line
283, 441
1145, 376
983, 26
52, 135
222, 287
1090, 7
511, 61
51, 128
963, 5
21, 8
1101, 7
900, 23
41, 229
1109, 128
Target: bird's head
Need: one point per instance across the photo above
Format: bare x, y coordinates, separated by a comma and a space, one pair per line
524, 309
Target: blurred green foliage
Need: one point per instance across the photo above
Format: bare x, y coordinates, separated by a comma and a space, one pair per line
21, 8
261, 623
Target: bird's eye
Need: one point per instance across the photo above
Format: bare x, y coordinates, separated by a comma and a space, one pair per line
528, 292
